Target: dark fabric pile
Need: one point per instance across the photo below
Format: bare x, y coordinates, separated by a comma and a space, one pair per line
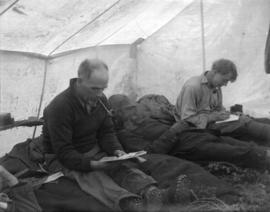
144, 122
56, 196
141, 125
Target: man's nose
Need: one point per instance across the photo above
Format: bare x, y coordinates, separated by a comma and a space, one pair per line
99, 93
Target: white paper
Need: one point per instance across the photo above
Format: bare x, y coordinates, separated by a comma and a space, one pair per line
53, 177
123, 157
231, 118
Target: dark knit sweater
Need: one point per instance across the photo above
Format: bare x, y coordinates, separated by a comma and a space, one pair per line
69, 130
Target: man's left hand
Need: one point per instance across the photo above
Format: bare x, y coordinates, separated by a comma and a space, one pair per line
119, 153
244, 119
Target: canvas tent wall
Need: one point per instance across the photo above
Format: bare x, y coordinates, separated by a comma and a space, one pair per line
62, 33
234, 29
42, 43
23, 75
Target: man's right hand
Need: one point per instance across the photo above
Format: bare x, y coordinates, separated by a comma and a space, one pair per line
100, 165
220, 115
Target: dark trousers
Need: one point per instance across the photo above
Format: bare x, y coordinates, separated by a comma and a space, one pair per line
65, 195
129, 176
166, 170
62, 195
251, 131
23, 199
204, 146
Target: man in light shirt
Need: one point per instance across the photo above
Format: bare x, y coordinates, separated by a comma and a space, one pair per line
200, 105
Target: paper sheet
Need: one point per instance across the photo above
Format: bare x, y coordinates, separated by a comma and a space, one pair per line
53, 177
123, 157
231, 118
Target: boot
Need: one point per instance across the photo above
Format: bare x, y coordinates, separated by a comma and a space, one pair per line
132, 204
154, 198
181, 192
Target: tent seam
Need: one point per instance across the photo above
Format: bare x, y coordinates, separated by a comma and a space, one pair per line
42, 93
74, 34
8, 8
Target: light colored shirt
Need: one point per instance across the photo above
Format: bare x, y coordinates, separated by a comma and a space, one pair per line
197, 100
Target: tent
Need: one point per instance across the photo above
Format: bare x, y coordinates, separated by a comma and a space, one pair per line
151, 46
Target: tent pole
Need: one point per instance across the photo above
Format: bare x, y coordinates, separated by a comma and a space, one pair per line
0, 90
202, 36
133, 54
3, 12
42, 93
89, 23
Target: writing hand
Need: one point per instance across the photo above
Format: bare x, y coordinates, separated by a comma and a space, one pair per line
119, 153
244, 119
223, 115
99, 166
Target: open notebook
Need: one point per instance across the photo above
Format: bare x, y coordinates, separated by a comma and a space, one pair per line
231, 118
123, 157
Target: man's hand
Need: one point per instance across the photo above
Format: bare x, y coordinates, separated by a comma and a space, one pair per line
223, 115
244, 119
99, 166
119, 153
220, 116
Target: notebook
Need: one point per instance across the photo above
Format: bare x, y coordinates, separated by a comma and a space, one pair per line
123, 157
231, 118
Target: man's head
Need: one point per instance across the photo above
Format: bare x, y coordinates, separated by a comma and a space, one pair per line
223, 71
93, 78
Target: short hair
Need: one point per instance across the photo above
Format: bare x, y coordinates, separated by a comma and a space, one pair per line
224, 66
87, 67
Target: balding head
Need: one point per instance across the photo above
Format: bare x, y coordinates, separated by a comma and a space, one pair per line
88, 66
93, 78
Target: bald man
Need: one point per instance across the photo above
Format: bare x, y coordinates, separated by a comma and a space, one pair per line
79, 130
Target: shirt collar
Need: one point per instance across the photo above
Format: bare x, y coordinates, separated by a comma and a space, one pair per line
204, 80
